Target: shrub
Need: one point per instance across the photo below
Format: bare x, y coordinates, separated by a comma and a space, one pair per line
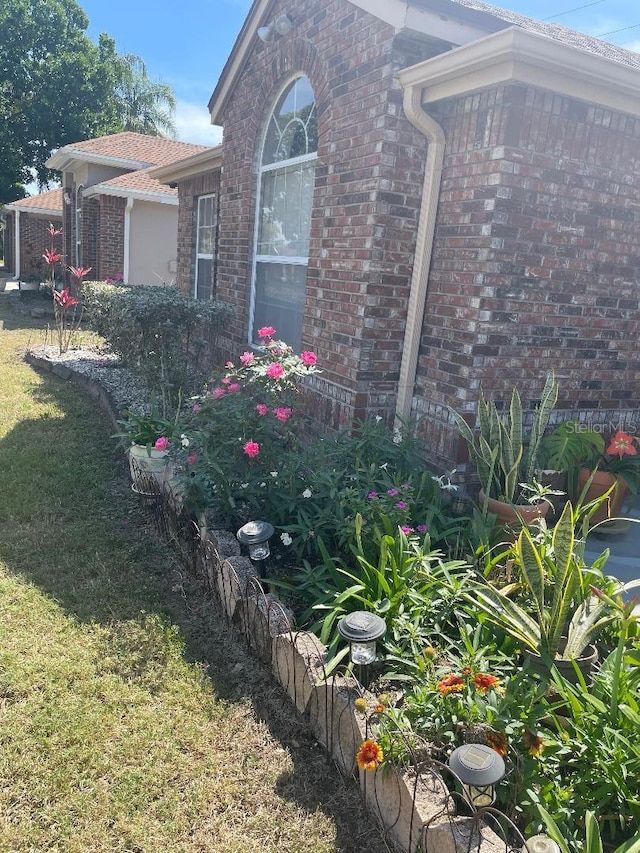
164, 337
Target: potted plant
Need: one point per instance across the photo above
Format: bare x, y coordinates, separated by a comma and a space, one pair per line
504, 458
562, 613
612, 472
147, 438
29, 283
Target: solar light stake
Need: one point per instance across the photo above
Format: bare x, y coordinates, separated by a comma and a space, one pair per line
362, 630
541, 844
255, 535
479, 768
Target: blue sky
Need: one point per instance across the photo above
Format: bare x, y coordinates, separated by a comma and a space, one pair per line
186, 42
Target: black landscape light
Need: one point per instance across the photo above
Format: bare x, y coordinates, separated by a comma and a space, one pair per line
255, 535
362, 630
479, 768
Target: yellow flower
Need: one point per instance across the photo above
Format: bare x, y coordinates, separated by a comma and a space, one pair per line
361, 704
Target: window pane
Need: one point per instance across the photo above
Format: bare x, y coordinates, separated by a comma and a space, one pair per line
293, 129
204, 278
279, 302
286, 202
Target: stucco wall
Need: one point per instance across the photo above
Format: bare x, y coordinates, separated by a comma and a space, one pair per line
153, 243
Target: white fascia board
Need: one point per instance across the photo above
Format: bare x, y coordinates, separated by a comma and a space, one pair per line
63, 159
122, 192
34, 211
197, 164
516, 55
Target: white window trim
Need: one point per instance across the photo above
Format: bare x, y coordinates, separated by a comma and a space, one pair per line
208, 256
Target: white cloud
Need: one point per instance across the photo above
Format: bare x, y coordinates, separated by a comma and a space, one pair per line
194, 125
632, 45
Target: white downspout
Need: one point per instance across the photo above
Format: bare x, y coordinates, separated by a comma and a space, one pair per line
412, 104
126, 265
16, 247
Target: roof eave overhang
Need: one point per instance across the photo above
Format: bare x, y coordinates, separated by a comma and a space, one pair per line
65, 157
447, 22
125, 192
516, 55
181, 170
35, 211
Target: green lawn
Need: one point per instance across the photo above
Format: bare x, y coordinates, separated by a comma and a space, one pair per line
129, 719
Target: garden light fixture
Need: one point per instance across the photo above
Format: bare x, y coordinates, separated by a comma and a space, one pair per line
479, 768
255, 535
362, 630
541, 844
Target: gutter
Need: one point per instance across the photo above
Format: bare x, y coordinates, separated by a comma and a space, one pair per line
127, 239
412, 104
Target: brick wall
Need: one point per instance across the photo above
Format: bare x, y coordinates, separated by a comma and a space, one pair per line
536, 262
188, 193
366, 200
34, 239
110, 237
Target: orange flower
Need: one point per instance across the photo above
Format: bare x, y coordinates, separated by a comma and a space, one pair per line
622, 445
369, 755
466, 670
498, 741
450, 683
484, 682
534, 744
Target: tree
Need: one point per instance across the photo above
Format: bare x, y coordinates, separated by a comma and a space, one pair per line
56, 87
146, 106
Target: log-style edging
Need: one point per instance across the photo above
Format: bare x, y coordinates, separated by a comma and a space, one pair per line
413, 806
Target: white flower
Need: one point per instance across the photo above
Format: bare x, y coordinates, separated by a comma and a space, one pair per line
378, 418
445, 482
286, 539
244, 485
273, 473
263, 485
383, 467
184, 441
307, 493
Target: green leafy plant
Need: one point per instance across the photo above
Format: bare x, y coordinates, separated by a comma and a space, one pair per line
146, 428
567, 446
593, 840
501, 453
561, 609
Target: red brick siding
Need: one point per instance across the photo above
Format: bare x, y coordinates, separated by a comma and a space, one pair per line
34, 239
366, 202
110, 234
536, 262
188, 192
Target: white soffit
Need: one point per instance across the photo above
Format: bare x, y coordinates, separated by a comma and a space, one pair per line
515, 54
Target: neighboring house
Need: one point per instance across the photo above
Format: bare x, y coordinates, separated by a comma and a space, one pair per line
436, 196
117, 219
26, 237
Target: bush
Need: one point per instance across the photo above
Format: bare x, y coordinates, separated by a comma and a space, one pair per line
165, 338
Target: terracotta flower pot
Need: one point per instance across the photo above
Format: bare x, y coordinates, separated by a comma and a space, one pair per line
601, 483
512, 515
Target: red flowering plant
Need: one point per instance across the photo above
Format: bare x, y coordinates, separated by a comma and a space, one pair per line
67, 309
51, 256
620, 456
237, 431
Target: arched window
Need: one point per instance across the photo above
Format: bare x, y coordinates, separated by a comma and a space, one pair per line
283, 219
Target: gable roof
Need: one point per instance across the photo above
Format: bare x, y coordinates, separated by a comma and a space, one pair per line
456, 22
48, 203
127, 150
138, 185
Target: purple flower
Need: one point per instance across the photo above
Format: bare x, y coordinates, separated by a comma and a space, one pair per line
401, 505
422, 528
392, 492
407, 530
372, 495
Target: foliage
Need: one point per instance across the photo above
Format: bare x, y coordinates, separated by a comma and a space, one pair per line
162, 336
146, 428
242, 427
56, 87
568, 445
557, 601
502, 455
620, 458
144, 105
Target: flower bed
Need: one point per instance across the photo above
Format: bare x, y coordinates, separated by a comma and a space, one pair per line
361, 526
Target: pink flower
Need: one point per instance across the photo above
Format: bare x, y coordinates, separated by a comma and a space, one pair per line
52, 231
422, 528
266, 332
234, 386
392, 492
407, 530
217, 393
275, 370
247, 358
161, 443
229, 365
252, 449
195, 408
309, 358
401, 505
226, 380
192, 458
64, 299
261, 409
79, 272
283, 414
372, 495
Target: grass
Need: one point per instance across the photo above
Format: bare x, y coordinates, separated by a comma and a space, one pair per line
130, 720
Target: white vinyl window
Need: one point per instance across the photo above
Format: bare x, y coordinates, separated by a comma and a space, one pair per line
205, 247
283, 220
